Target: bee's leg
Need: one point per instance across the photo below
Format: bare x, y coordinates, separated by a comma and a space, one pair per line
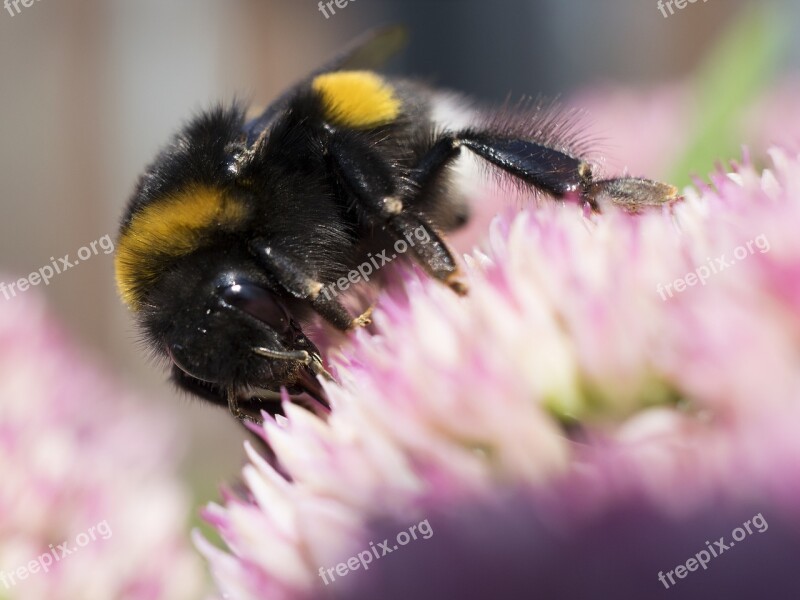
370, 180
632, 193
241, 408
546, 169
295, 280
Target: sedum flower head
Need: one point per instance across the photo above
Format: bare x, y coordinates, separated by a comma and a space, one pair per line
598, 362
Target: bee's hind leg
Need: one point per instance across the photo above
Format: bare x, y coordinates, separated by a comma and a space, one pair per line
632, 194
546, 169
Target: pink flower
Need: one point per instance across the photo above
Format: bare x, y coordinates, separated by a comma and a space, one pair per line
668, 342
89, 505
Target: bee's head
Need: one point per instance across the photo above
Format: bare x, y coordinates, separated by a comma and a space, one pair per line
216, 318
199, 298
189, 191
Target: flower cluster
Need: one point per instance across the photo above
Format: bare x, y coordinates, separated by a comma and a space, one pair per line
565, 378
90, 508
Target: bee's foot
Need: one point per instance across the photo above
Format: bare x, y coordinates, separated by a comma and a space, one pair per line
363, 319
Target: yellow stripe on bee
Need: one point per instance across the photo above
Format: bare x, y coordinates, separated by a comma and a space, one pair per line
358, 99
170, 227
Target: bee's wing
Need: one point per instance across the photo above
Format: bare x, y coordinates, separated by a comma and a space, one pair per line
369, 51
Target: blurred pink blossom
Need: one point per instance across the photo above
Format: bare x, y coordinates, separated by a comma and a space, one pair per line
77, 453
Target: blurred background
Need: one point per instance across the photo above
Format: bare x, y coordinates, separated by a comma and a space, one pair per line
90, 90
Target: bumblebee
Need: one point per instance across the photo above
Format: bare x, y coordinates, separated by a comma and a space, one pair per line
238, 227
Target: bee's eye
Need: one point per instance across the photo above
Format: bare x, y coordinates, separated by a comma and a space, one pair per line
258, 303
